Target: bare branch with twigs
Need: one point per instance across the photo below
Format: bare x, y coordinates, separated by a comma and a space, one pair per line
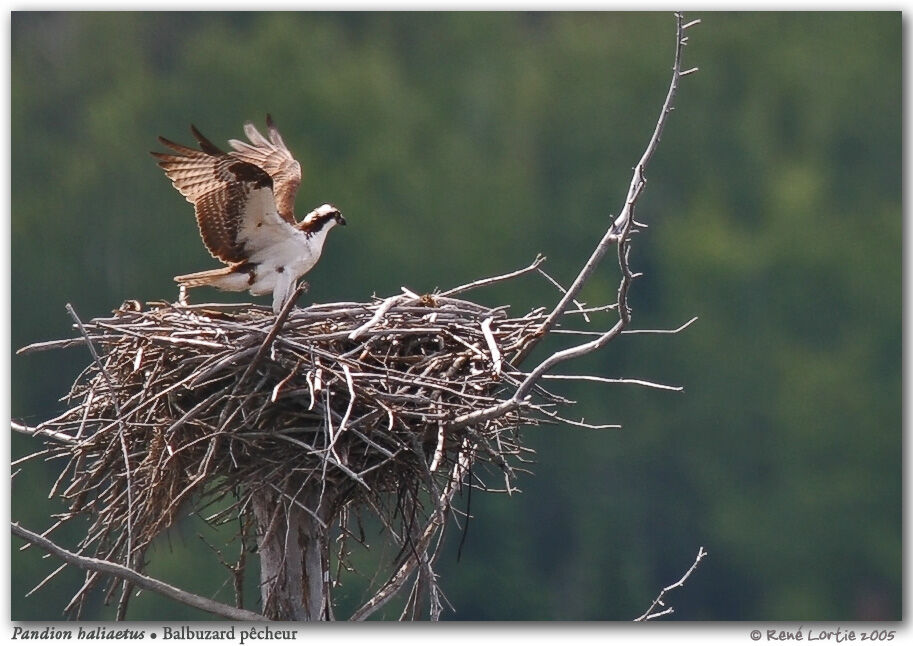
131, 575
618, 233
622, 226
660, 601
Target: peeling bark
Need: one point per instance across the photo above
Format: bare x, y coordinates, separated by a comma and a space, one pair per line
294, 557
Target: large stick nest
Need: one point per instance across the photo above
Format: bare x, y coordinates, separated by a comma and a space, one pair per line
207, 404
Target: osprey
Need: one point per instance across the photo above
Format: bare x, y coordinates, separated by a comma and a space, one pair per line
244, 204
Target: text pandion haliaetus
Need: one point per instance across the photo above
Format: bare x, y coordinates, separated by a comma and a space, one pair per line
244, 203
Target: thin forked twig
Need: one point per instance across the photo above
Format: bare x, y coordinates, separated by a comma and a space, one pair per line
660, 602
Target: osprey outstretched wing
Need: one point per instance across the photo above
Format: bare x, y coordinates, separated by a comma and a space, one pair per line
244, 205
272, 156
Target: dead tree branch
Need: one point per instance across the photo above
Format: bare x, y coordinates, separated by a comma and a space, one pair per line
618, 233
660, 602
42, 432
621, 227
131, 575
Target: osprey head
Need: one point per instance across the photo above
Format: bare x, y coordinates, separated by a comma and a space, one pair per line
324, 216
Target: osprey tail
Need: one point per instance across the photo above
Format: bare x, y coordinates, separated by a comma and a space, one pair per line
223, 278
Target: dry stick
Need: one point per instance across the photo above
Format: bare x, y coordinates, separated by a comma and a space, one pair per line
608, 380
63, 438
591, 333
31, 456
492, 346
143, 581
46, 579
638, 180
494, 279
50, 345
675, 331
612, 235
274, 331
580, 306
649, 614
378, 315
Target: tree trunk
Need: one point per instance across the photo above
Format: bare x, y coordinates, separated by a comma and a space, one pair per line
294, 558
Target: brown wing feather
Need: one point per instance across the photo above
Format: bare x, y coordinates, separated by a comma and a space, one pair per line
218, 185
275, 158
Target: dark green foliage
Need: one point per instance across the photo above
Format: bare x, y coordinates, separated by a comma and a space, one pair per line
458, 145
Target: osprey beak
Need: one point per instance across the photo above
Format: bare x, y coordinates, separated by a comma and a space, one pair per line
341, 220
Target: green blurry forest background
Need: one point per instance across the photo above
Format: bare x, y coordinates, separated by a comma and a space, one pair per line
460, 145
